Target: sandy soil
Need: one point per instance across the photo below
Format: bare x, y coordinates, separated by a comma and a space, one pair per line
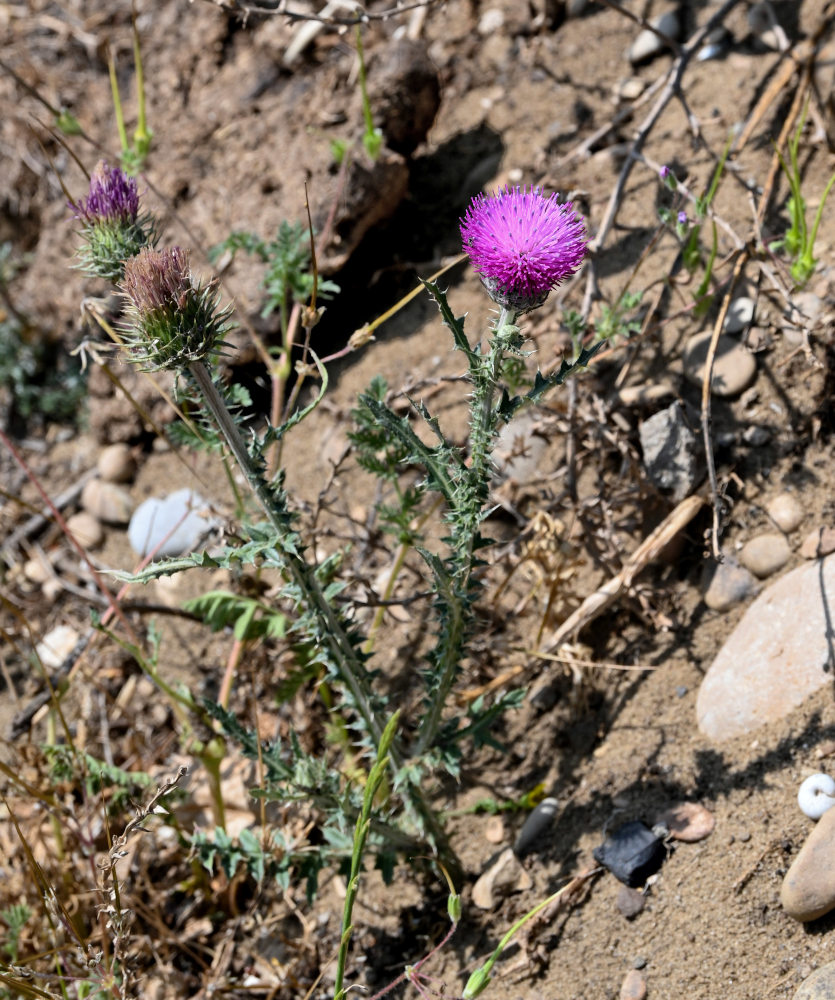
235, 137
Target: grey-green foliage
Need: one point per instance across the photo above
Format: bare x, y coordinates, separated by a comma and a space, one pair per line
291, 775
288, 277
67, 764
15, 918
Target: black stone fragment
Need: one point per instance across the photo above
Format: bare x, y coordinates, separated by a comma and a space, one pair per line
632, 853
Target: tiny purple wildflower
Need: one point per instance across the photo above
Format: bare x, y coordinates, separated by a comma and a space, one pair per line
682, 218
113, 197
664, 172
522, 244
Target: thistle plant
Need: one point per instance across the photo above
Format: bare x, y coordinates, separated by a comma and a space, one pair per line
522, 244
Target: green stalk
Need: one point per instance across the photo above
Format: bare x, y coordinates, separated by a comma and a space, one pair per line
455, 589
375, 778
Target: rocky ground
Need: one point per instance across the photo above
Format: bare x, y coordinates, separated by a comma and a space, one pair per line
663, 685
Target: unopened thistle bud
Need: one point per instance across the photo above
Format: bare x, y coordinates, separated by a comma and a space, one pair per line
112, 226
173, 321
522, 244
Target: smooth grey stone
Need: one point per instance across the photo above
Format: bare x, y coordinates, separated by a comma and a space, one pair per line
734, 367
779, 654
728, 584
537, 822
808, 890
107, 502
765, 554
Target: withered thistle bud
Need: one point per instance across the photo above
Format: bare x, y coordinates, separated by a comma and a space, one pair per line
112, 225
174, 321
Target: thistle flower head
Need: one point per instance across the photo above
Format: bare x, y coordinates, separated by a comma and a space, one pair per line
112, 225
522, 244
173, 320
113, 196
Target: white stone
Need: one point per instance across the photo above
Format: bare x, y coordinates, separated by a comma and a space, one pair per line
648, 44
776, 657
740, 314
785, 511
170, 526
56, 646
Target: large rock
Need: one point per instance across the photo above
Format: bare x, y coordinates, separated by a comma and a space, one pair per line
808, 890
780, 653
819, 986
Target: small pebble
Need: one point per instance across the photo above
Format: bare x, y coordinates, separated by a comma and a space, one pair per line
634, 986
86, 529
490, 21
744, 837
106, 501
116, 464
688, 822
785, 511
630, 902
740, 314
734, 367
756, 436
36, 570
648, 44
520, 448
632, 853
56, 646
635, 395
504, 876
765, 554
818, 543
537, 823
728, 584
494, 832
630, 89
639, 962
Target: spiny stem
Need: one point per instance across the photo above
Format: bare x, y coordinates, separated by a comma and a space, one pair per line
303, 577
466, 529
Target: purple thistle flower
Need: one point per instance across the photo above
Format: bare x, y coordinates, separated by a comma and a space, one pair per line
157, 281
113, 197
522, 244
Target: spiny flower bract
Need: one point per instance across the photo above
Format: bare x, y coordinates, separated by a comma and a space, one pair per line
522, 244
174, 321
112, 225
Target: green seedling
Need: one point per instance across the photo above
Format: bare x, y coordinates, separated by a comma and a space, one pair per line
799, 240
